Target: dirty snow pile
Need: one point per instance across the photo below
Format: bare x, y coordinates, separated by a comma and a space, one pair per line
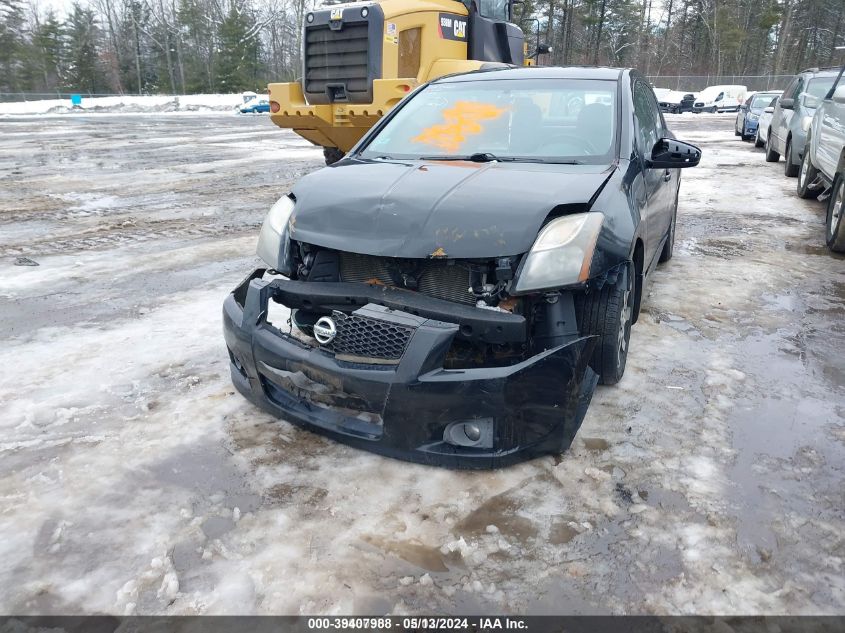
128, 104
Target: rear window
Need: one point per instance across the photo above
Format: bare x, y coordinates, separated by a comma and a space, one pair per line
561, 120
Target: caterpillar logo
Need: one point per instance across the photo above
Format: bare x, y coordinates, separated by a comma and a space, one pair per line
452, 27
337, 14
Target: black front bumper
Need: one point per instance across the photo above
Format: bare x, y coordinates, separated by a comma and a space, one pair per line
534, 407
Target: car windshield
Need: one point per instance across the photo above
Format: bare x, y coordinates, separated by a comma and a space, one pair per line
761, 101
549, 120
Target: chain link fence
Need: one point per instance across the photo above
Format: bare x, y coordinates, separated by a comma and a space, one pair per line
14, 97
696, 83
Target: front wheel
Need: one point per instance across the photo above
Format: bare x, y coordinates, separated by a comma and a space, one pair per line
758, 142
835, 232
669, 244
608, 313
771, 155
790, 169
806, 177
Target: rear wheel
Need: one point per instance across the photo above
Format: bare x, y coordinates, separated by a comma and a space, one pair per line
806, 177
835, 233
608, 313
771, 155
332, 155
790, 169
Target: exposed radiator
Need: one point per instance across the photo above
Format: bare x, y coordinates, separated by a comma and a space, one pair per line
437, 279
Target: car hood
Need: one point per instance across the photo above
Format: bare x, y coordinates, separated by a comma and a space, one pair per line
420, 209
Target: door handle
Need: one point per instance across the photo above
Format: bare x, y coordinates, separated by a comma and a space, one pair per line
667, 176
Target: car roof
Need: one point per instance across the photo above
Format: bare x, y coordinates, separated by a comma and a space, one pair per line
820, 72
536, 72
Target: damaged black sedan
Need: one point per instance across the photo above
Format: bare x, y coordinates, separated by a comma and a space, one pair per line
453, 290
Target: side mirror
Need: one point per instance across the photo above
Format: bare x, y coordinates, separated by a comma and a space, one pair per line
542, 49
839, 94
787, 103
743, 107
669, 153
770, 109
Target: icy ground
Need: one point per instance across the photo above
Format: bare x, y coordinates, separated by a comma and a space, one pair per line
127, 104
134, 480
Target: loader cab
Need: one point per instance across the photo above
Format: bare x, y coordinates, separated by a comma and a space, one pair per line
492, 36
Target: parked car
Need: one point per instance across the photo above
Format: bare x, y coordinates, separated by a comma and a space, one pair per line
677, 101
823, 161
749, 113
720, 99
256, 106
793, 114
463, 277
764, 123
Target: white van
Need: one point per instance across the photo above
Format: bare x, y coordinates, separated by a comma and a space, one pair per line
720, 99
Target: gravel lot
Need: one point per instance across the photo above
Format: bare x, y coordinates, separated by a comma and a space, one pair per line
134, 480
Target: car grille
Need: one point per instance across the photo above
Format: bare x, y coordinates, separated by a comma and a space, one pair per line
337, 57
437, 279
366, 338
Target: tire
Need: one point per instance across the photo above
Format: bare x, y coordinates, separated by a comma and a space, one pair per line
736, 132
608, 313
746, 138
757, 141
669, 244
332, 155
713, 110
835, 225
790, 170
806, 175
771, 155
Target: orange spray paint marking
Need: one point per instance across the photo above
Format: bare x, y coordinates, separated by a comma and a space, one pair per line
461, 120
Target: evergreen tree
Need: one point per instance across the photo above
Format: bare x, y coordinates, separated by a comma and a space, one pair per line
81, 50
238, 66
12, 45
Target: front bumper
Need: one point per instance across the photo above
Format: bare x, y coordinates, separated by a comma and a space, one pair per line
749, 128
533, 408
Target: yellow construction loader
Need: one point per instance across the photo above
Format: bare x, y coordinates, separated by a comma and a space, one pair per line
361, 58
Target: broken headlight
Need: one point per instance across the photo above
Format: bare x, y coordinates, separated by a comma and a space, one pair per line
273, 242
561, 254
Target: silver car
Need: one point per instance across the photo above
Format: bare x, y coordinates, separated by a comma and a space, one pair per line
823, 163
793, 114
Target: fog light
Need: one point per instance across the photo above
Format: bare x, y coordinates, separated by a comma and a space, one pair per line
470, 433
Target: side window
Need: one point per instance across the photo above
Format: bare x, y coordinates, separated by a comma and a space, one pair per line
721, 96
790, 89
494, 9
649, 121
799, 88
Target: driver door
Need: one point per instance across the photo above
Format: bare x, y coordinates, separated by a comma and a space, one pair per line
660, 184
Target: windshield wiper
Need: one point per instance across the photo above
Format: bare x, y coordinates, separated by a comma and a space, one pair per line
478, 157
487, 157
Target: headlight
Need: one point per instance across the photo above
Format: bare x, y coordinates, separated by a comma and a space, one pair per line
273, 243
806, 122
561, 254
753, 117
